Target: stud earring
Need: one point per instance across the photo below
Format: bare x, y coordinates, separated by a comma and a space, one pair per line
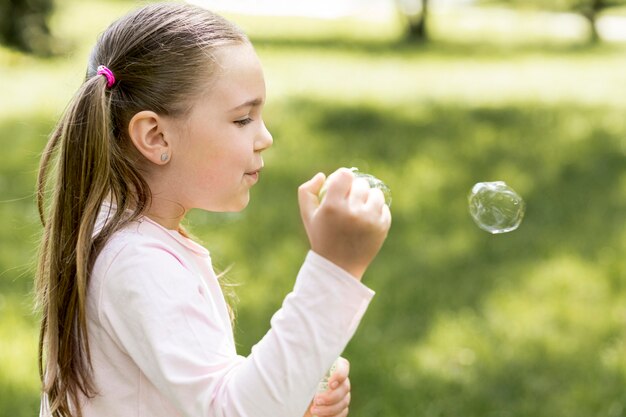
164, 157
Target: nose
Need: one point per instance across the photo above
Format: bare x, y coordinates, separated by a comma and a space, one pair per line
264, 139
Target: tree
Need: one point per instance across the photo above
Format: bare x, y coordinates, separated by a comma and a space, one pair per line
589, 9
415, 13
24, 25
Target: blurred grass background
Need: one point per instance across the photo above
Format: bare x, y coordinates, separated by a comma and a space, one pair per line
531, 323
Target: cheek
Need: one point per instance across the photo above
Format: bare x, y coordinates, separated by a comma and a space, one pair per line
216, 175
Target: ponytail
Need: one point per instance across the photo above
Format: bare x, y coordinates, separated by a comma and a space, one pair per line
84, 158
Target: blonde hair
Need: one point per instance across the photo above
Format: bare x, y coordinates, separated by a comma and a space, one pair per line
160, 55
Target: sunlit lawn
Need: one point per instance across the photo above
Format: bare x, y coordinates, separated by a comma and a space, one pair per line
465, 324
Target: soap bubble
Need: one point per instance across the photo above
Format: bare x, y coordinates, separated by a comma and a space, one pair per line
373, 182
496, 207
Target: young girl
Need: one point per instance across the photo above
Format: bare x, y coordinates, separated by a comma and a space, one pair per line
134, 322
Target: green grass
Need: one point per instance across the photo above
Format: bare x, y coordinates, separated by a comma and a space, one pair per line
527, 324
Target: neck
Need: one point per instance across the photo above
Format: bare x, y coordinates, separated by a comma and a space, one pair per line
167, 213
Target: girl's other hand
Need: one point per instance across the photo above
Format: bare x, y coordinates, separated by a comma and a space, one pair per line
335, 401
351, 223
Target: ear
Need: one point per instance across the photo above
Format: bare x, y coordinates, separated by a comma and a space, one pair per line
146, 131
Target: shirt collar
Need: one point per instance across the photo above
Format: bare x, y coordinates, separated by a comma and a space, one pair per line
108, 208
176, 235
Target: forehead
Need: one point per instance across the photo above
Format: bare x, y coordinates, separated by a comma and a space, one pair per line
239, 75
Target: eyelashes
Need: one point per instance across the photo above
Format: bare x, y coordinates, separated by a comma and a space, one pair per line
243, 122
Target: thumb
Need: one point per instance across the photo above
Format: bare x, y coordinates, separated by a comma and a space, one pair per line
308, 198
342, 369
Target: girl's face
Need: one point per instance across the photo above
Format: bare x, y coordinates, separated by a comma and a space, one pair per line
216, 154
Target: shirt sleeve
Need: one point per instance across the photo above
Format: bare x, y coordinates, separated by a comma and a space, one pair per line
314, 325
155, 311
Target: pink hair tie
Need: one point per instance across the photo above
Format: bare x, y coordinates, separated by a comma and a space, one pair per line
108, 74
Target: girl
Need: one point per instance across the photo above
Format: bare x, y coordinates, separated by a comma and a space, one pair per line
134, 322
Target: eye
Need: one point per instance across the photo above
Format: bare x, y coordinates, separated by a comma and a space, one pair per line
243, 122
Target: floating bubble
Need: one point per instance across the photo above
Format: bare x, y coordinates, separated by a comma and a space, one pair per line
496, 207
373, 182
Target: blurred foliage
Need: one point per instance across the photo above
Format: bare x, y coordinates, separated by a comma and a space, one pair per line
24, 25
589, 9
526, 324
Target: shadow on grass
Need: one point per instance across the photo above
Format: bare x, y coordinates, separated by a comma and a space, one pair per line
534, 384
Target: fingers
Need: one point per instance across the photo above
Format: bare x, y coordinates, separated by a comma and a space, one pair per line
386, 216
308, 196
339, 184
375, 200
351, 223
359, 192
342, 369
336, 400
332, 402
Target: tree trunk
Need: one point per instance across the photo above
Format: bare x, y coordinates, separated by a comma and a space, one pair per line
591, 14
416, 30
594, 37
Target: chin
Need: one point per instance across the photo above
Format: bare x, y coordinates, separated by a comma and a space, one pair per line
242, 206
233, 206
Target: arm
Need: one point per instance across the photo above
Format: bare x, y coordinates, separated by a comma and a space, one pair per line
178, 338
180, 341
308, 333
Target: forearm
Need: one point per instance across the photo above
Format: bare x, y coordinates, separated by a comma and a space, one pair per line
308, 333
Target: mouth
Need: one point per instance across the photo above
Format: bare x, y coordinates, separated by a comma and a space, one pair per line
253, 175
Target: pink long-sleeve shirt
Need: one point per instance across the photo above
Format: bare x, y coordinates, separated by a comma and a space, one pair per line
162, 344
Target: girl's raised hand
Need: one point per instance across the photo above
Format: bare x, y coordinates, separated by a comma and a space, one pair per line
335, 401
351, 223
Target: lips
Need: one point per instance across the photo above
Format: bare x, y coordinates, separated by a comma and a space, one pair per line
253, 175
255, 171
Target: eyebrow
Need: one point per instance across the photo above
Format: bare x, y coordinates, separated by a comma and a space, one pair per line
249, 103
